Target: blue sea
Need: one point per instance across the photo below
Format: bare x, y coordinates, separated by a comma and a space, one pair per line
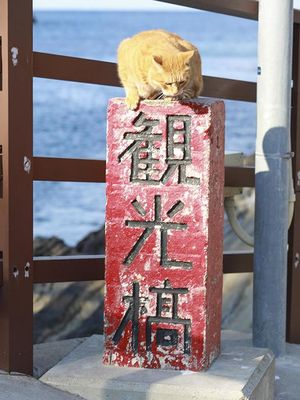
70, 118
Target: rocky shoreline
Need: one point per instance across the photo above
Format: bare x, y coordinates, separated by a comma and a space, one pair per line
93, 243
70, 309
75, 309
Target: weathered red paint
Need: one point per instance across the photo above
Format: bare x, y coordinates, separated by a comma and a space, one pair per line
191, 215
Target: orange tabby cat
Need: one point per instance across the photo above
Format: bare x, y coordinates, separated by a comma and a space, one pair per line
158, 64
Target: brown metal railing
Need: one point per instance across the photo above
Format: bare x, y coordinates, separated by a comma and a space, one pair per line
16, 225
293, 289
1, 174
16, 200
238, 8
52, 66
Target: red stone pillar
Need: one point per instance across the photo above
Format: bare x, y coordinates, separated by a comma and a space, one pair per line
164, 234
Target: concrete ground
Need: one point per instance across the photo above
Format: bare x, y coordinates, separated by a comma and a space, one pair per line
45, 356
287, 376
18, 387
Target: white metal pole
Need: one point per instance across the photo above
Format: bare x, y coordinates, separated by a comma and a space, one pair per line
272, 173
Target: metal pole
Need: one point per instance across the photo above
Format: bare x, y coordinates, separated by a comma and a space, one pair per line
272, 173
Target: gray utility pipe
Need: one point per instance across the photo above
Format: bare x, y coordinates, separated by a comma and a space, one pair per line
273, 183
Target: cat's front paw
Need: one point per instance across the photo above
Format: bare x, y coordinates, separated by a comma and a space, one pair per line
132, 102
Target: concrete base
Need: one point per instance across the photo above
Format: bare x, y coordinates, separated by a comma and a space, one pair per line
239, 373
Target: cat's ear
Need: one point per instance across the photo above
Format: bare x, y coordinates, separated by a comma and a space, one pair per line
157, 61
187, 55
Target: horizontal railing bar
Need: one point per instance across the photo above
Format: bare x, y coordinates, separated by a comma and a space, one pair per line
53, 66
237, 8
78, 170
238, 261
229, 89
91, 268
68, 269
240, 176
68, 170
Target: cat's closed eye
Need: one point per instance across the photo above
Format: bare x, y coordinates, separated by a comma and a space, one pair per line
173, 83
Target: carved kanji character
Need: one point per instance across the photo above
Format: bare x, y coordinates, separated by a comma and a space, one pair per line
163, 226
142, 150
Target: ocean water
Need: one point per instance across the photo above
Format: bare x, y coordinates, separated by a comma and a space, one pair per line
70, 118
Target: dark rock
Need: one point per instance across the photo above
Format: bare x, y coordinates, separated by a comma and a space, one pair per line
51, 246
93, 243
70, 309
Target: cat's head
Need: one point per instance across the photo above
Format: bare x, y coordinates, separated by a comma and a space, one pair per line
171, 73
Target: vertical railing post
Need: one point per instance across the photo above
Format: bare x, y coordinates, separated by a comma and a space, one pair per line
16, 201
293, 294
272, 182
